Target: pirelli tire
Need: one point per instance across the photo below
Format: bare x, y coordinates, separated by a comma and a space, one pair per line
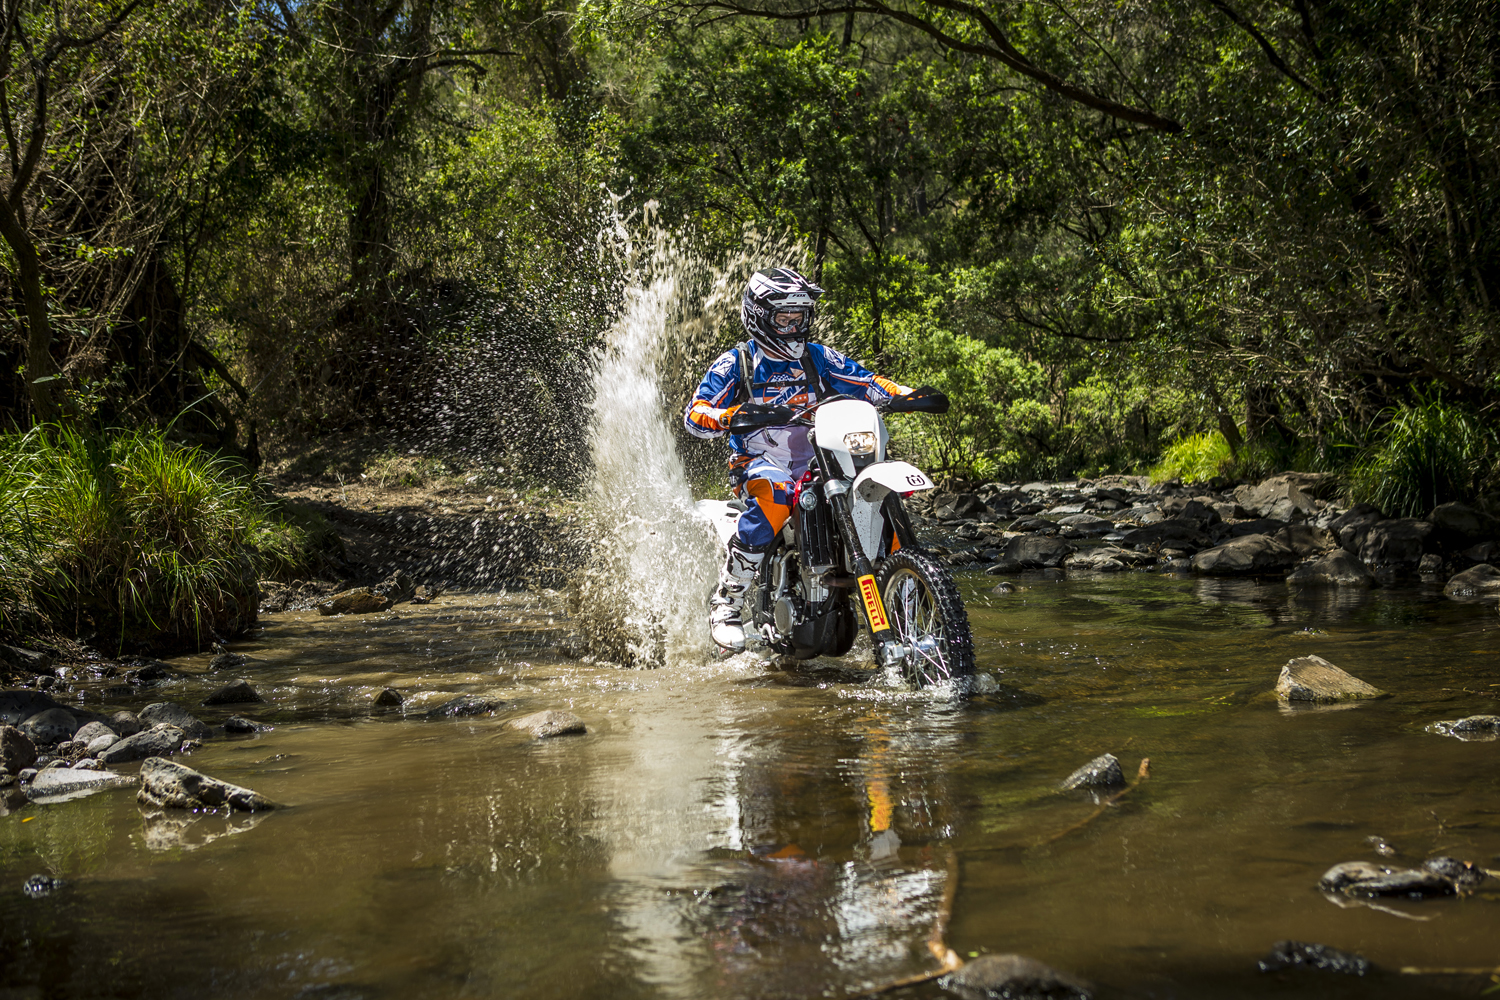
928, 617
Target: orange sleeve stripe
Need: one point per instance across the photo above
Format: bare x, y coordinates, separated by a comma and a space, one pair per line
891, 387
702, 414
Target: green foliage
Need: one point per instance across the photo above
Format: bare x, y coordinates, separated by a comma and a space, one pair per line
1195, 459
144, 543
1430, 452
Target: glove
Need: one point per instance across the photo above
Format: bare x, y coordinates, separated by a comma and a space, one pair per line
747, 417
924, 399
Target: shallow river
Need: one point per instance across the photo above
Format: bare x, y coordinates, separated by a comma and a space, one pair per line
728, 831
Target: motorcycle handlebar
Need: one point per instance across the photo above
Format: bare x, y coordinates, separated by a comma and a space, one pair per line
750, 417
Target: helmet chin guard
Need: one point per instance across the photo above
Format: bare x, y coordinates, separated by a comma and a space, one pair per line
778, 310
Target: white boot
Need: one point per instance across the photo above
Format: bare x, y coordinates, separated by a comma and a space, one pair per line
724, 624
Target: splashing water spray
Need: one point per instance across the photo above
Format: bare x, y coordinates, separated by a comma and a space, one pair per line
643, 598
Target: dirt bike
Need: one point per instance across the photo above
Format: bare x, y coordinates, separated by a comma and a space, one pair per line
849, 537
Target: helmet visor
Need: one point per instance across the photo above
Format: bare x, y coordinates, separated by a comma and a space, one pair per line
792, 322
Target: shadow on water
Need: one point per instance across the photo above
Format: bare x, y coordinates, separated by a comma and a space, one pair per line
727, 830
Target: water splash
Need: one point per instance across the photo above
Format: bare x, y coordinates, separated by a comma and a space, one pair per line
643, 600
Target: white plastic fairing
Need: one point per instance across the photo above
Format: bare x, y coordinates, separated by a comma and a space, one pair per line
869, 493
843, 417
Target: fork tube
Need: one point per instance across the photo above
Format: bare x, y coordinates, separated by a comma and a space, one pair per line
870, 600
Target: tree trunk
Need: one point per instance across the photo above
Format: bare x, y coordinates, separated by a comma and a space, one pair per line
38, 325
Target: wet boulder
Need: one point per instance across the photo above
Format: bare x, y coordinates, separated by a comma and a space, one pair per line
167, 784
1088, 524
1101, 772
1196, 510
389, 698
1305, 955
67, 782
1280, 497
238, 693
172, 714
1259, 526
18, 706
239, 725
1459, 525
154, 742
1306, 540
1476, 581
1248, 555
397, 587
1350, 527
26, 660
90, 731
359, 601
1395, 548
1314, 679
50, 726
17, 751
958, 505
1033, 525
1104, 559
1031, 552
1173, 533
125, 723
554, 722
1339, 568
1014, 977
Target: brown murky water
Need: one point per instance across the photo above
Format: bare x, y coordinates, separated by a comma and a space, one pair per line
723, 831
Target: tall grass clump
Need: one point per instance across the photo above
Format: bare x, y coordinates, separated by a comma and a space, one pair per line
128, 538
1429, 453
1195, 459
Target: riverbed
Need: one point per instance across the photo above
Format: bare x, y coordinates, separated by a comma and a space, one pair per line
728, 830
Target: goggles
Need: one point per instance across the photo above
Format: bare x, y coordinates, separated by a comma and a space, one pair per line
791, 321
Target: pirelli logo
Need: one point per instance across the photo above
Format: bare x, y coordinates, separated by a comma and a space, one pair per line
873, 608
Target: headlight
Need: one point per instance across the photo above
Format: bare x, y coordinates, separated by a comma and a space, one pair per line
860, 442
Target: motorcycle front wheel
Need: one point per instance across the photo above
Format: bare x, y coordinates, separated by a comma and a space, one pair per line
927, 617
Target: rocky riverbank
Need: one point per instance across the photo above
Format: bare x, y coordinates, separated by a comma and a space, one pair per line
1290, 525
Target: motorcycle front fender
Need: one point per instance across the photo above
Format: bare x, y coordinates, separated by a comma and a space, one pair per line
869, 492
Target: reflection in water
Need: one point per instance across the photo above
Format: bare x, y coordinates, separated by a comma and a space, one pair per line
718, 833
182, 829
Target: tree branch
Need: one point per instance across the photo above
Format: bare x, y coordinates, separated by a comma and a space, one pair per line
1000, 50
1270, 50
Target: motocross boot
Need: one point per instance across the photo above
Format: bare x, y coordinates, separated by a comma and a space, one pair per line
724, 623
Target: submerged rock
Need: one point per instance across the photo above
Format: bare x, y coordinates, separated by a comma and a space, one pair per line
153, 742
1439, 876
1314, 679
41, 885
1014, 977
238, 725
17, 751
467, 705
359, 601
1101, 772
1302, 954
1476, 581
172, 714
1340, 568
238, 693
1247, 555
550, 723
389, 698
169, 785
1474, 727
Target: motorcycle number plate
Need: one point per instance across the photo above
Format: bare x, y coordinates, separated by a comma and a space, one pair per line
873, 608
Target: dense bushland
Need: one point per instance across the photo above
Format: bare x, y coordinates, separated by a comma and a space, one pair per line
134, 542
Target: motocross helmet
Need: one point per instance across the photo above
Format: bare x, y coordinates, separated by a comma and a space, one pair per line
778, 310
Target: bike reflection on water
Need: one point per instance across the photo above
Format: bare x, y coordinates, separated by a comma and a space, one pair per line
838, 875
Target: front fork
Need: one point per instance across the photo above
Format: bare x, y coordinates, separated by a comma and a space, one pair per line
888, 651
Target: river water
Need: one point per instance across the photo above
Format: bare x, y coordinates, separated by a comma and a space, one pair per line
726, 830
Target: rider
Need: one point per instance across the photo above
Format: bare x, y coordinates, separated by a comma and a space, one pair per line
784, 371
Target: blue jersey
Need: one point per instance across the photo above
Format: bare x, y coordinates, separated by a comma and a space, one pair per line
784, 382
